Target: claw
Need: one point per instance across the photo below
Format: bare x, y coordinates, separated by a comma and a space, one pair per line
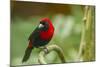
46, 50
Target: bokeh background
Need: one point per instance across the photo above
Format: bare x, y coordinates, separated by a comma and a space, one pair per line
66, 18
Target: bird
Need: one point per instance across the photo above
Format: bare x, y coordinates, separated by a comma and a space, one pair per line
40, 37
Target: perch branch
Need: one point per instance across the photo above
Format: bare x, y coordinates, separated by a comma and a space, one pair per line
50, 48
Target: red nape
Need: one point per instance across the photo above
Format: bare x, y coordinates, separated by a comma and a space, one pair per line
30, 44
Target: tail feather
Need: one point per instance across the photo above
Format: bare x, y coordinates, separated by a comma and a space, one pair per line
27, 54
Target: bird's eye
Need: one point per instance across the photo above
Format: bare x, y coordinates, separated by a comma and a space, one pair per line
42, 22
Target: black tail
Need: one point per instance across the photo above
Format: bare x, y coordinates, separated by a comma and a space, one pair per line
27, 54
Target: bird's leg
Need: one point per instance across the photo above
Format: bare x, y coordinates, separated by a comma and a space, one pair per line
46, 49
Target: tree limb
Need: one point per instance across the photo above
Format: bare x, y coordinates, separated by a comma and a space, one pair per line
51, 48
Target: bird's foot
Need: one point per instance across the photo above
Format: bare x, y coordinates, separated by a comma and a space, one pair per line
46, 50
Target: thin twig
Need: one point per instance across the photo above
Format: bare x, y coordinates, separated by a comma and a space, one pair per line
86, 46
82, 42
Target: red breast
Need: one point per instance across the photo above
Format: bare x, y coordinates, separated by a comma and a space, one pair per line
49, 33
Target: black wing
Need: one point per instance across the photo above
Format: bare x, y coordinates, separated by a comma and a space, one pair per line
34, 34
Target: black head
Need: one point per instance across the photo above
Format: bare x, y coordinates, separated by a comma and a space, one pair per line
43, 25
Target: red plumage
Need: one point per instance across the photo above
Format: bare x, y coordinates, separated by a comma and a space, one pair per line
49, 33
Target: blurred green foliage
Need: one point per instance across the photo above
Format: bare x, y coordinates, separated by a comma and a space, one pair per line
25, 17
